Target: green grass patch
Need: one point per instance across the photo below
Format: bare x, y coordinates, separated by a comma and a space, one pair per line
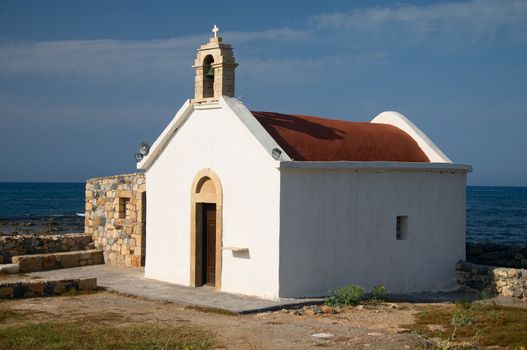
475, 324
350, 295
44, 336
378, 293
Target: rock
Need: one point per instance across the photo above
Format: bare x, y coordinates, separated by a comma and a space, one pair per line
6, 291
359, 307
518, 248
474, 250
501, 283
88, 284
328, 309
517, 293
9, 268
394, 306
36, 287
322, 335
309, 312
512, 273
500, 272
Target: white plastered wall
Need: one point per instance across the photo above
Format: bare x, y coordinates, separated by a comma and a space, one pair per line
216, 139
338, 228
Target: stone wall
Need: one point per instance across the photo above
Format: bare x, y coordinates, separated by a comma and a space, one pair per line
509, 282
42, 288
41, 244
64, 260
497, 254
116, 216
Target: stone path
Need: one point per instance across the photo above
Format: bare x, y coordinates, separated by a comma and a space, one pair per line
131, 281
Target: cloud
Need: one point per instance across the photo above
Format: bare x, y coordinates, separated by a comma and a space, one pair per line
452, 23
371, 32
92, 56
111, 57
281, 35
304, 70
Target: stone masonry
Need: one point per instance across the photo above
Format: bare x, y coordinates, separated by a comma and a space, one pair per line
41, 244
116, 216
64, 260
43, 288
509, 282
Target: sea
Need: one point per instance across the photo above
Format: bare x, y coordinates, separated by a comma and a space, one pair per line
494, 214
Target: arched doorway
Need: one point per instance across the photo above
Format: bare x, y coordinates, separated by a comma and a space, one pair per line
206, 230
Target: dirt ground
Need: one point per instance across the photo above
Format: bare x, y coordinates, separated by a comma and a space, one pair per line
366, 327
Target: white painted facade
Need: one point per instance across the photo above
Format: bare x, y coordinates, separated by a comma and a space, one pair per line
338, 226
308, 226
213, 138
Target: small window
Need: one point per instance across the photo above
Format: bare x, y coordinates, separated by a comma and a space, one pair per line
124, 208
401, 227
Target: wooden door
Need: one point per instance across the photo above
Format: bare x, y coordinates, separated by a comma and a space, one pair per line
209, 244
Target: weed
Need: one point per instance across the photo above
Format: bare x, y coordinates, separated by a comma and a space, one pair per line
378, 293
348, 295
461, 317
478, 325
485, 295
464, 303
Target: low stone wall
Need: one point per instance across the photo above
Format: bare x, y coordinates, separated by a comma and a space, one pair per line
497, 254
32, 289
42, 262
509, 282
116, 216
41, 244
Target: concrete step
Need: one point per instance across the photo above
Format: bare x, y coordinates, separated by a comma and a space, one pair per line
54, 261
9, 268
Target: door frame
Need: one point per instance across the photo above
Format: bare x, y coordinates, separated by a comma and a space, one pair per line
202, 192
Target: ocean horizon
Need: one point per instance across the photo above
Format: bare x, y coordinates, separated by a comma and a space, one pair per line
496, 214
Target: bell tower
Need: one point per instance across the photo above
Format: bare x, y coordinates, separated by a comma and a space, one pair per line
214, 67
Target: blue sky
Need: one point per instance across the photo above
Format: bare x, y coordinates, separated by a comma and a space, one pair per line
82, 83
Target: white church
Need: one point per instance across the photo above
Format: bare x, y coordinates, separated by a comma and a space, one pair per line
279, 205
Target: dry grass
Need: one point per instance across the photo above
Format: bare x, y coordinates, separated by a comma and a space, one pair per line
467, 325
93, 336
20, 331
8, 314
210, 310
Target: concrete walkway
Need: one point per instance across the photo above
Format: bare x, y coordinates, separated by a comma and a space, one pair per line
131, 281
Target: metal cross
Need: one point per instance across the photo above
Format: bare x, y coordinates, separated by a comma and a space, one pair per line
215, 30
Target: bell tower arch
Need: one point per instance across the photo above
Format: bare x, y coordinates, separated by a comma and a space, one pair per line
214, 65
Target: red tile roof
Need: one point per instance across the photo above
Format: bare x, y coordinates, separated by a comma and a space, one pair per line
306, 138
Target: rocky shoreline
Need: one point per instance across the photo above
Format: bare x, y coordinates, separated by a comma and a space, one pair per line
42, 225
497, 254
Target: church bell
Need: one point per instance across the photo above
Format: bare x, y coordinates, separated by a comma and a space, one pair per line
210, 73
